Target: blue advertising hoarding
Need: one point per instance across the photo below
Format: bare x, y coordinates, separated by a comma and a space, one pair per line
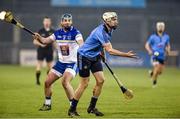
116, 61
99, 3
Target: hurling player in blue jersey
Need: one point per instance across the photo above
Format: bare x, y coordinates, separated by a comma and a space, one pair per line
68, 39
158, 46
89, 59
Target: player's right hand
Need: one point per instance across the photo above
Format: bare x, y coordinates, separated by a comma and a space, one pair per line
37, 36
37, 43
150, 52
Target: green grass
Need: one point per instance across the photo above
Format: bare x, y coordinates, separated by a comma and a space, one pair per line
20, 97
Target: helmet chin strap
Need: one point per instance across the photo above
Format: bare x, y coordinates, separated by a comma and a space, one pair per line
67, 28
111, 27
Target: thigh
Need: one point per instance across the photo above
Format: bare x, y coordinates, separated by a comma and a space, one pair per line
51, 78
96, 66
160, 67
49, 56
67, 77
83, 66
40, 54
71, 69
99, 76
58, 68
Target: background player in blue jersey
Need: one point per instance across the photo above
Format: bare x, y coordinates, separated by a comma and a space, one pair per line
89, 60
68, 39
158, 46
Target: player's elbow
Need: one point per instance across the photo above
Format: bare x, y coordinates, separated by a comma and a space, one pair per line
110, 51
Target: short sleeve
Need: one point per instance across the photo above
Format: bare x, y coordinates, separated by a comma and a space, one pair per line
168, 40
78, 36
150, 40
53, 37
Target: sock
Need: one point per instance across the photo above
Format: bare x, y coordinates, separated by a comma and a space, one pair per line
151, 73
93, 102
48, 101
73, 104
70, 101
38, 73
154, 82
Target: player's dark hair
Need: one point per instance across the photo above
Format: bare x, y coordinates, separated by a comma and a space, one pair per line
46, 17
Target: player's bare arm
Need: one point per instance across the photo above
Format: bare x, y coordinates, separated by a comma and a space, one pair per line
37, 43
168, 49
108, 47
148, 48
42, 39
80, 42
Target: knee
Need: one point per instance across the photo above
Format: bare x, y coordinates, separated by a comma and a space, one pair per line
65, 84
100, 82
47, 84
160, 72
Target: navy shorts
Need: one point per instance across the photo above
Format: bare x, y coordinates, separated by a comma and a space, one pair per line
86, 65
160, 61
45, 54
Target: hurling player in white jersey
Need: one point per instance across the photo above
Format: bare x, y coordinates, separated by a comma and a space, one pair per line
68, 40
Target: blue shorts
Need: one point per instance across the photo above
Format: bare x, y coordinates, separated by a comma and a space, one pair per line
156, 60
59, 68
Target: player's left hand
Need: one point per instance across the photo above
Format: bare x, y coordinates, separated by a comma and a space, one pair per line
131, 54
37, 43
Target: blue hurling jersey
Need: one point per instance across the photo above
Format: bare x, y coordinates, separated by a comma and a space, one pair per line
93, 45
158, 44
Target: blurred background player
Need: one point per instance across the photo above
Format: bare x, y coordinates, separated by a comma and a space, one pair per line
89, 59
44, 51
68, 39
158, 46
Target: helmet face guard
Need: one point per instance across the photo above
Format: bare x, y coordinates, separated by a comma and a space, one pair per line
64, 18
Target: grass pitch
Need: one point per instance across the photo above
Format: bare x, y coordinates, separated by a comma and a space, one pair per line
21, 97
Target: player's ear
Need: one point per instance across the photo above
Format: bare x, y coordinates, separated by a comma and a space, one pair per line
60, 24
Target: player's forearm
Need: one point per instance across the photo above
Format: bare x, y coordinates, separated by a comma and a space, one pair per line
168, 49
80, 42
148, 48
45, 40
117, 53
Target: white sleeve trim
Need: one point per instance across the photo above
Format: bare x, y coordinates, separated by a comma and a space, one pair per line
52, 37
78, 37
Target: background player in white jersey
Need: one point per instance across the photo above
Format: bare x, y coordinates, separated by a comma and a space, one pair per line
68, 40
